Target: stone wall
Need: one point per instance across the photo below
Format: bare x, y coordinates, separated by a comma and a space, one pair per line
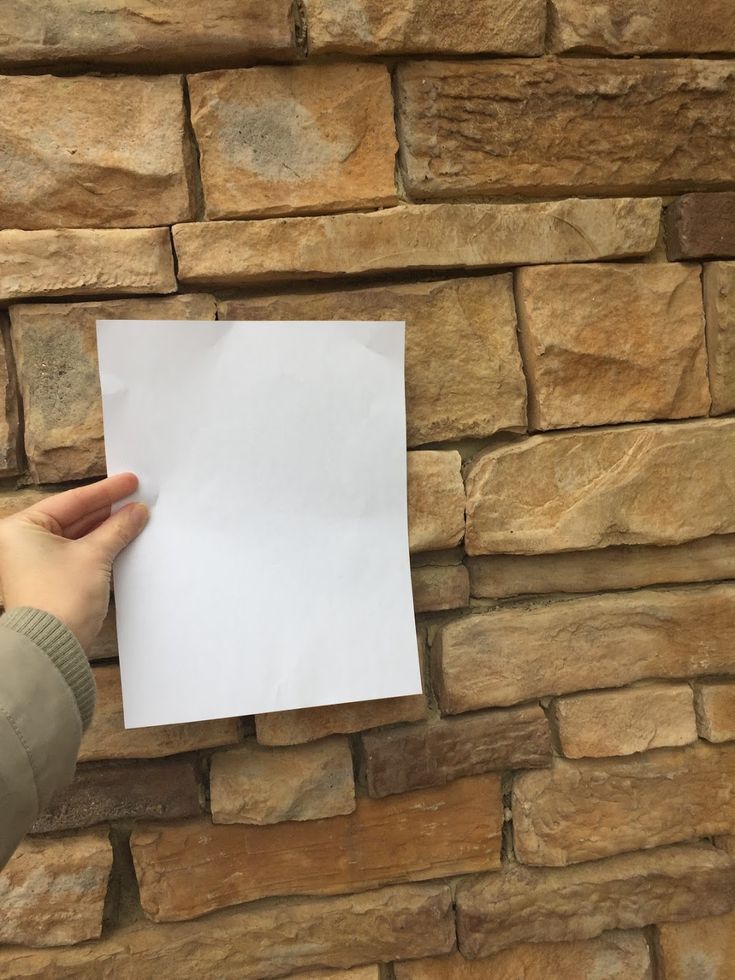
555, 220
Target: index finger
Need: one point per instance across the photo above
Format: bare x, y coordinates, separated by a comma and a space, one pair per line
72, 505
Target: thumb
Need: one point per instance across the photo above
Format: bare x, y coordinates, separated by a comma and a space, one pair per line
119, 530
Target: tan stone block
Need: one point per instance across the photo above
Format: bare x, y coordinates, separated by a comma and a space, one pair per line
129, 32
356, 973
256, 785
437, 587
714, 702
13, 501
506, 656
719, 305
9, 427
436, 500
259, 942
618, 567
443, 236
52, 891
187, 869
66, 165
698, 948
626, 721
107, 738
290, 140
612, 343
463, 370
55, 348
634, 890
85, 262
622, 485
507, 127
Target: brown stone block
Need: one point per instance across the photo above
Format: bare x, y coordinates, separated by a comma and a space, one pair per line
700, 946
714, 702
701, 226
435, 500
437, 587
719, 306
13, 501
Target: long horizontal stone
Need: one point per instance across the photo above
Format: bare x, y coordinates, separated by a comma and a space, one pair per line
719, 305
187, 869
414, 237
701, 226
705, 945
594, 488
532, 127
506, 656
436, 500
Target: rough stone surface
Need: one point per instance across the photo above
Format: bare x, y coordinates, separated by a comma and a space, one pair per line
436, 752
714, 702
622, 485
257, 785
12, 501
532, 905
280, 140
573, 812
507, 656
701, 225
66, 166
52, 891
187, 869
259, 942
463, 370
9, 428
618, 567
566, 126
55, 348
437, 587
356, 973
129, 32
106, 738
436, 500
612, 343
104, 646
623, 722
699, 948
412, 237
719, 304
85, 262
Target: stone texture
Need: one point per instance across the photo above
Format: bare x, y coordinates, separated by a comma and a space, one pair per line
624, 485
437, 587
700, 226
12, 501
368, 27
104, 646
259, 942
719, 305
256, 785
413, 237
66, 166
123, 791
106, 738
699, 948
579, 811
52, 891
436, 500
290, 140
9, 427
85, 262
187, 869
130, 32
612, 343
532, 905
356, 973
714, 702
627, 27
623, 722
436, 752
506, 656
463, 370
55, 348
583, 126
618, 567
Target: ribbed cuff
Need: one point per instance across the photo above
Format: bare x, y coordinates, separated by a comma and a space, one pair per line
62, 648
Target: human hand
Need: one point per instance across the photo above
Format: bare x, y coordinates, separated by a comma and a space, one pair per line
57, 555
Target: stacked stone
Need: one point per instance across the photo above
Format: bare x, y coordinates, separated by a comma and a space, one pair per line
559, 235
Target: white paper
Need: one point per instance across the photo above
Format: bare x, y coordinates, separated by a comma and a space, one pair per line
274, 572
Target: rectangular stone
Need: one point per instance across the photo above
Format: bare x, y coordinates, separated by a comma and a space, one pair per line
571, 812
636, 352
187, 869
463, 370
506, 656
65, 165
598, 724
85, 262
436, 500
706, 946
55, 348
714, 702
435, 752
701, 226
414, 237
590, 489
52, 891
107, 738
9, 424
260, 942
719, 306
533, 905
257, 785
532, 127
438, 587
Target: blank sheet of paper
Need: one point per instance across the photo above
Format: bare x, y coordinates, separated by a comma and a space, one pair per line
274, 572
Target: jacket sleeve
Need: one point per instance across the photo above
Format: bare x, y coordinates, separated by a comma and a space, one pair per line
47, 695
